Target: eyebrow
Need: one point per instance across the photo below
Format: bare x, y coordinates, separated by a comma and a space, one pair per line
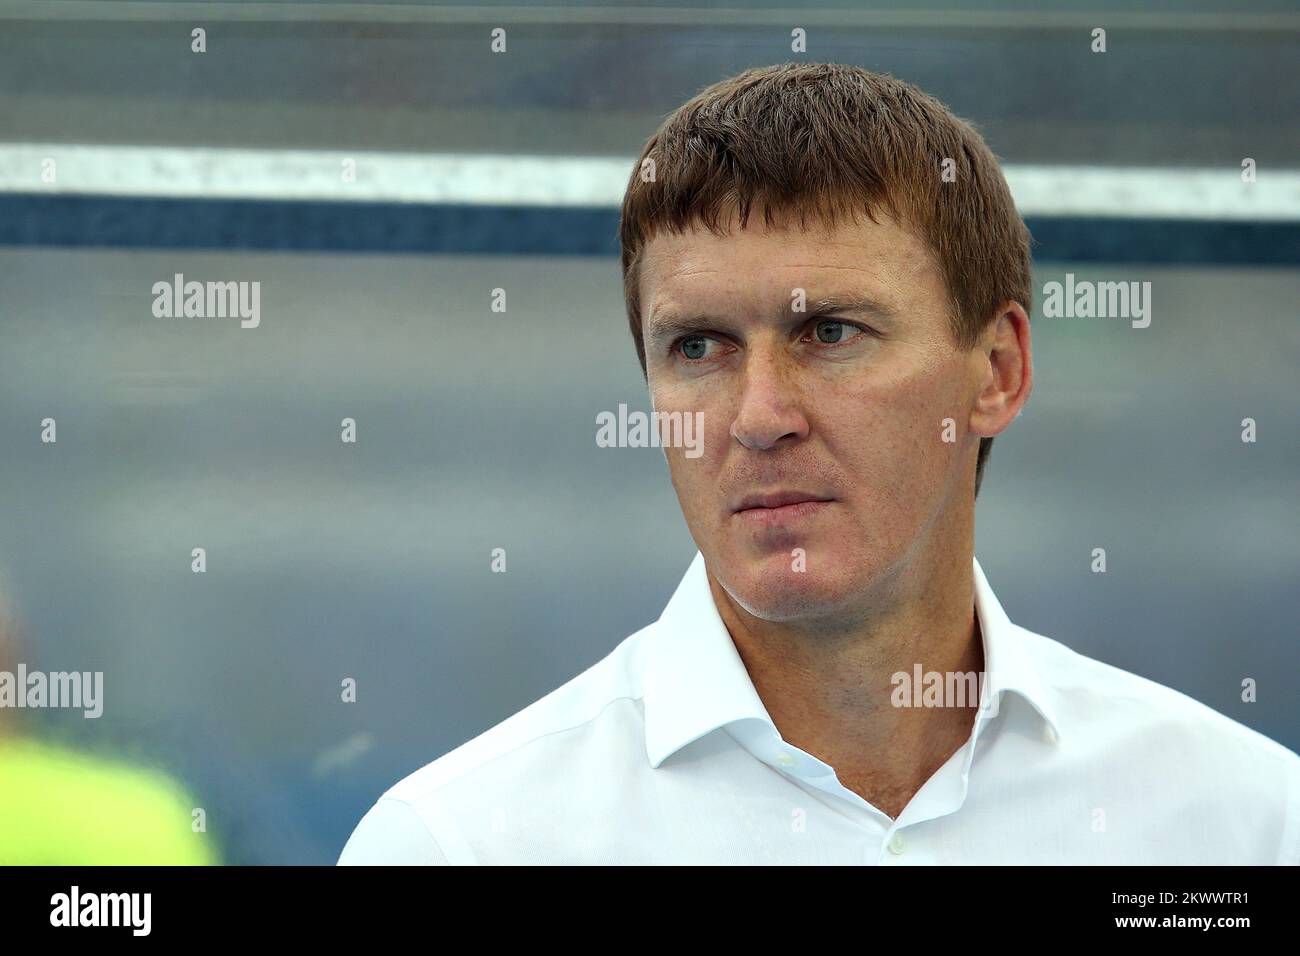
667, 324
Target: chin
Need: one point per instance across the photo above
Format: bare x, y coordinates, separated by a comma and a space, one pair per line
770, 590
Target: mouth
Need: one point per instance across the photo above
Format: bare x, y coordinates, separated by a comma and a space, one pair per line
780, 506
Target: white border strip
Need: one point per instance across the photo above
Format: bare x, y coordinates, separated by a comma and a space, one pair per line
475, 179
1135, 192
312, 174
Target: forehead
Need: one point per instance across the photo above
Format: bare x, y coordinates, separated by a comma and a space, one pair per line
885, 257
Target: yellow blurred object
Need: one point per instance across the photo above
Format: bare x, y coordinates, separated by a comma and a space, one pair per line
59, 807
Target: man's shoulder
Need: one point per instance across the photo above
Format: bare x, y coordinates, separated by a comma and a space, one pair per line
1113, 706
601, 704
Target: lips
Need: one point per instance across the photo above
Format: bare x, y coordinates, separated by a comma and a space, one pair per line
777, 499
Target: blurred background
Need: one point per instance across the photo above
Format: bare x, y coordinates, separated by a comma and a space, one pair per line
473, 171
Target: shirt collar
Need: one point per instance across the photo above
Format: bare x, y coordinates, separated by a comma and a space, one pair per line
695, 681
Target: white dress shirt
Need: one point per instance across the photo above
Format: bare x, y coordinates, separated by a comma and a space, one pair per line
663, 753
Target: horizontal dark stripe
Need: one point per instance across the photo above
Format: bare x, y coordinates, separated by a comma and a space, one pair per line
1166, 241
314, 226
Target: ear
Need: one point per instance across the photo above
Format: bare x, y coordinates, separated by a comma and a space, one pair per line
1005, 377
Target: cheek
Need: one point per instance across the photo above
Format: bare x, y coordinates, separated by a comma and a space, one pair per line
890, 430
709, 417
693, 471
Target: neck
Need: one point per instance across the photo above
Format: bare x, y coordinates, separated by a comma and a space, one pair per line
827, 684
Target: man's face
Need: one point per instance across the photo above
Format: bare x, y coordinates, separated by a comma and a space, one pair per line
840, 407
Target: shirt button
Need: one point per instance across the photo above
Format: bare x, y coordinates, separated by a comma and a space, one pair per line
896, 845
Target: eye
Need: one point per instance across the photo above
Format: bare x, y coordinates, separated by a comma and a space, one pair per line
693, 347
831, 332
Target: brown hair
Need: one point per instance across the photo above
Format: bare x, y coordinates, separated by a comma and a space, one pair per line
825, 139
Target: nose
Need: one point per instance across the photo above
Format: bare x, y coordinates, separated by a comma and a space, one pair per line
770, 412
